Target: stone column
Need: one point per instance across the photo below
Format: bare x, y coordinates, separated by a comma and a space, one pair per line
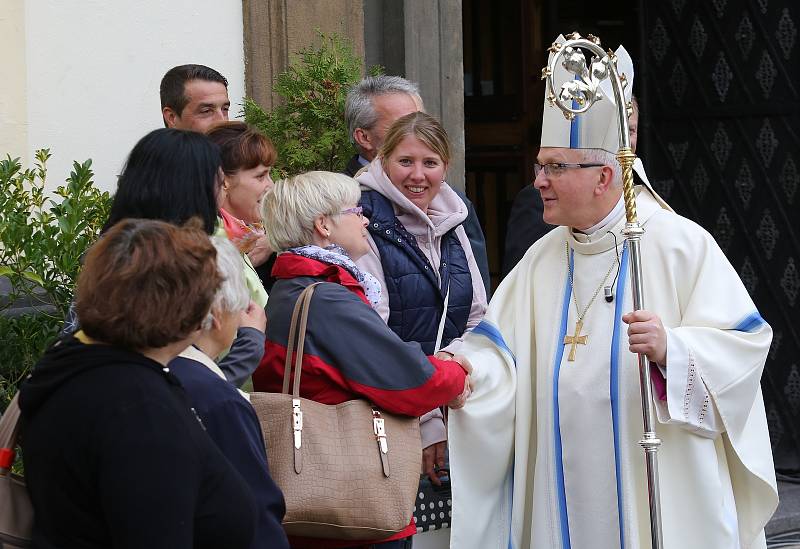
418, 39
274, 30
434, 58
422, 41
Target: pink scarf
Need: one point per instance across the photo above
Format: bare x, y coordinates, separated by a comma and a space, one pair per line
243, 235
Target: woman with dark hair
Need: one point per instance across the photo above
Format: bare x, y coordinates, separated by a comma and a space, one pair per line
171, 175
247, 158
176, 175
114, 453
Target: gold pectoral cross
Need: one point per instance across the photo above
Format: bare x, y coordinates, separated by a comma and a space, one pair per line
575, 340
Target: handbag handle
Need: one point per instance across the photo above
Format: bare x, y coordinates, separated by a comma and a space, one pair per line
297, 337
9, 427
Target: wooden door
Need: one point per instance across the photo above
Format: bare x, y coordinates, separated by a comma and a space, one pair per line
503, 56
723, 102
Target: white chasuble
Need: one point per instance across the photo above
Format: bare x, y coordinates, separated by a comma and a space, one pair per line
544, 455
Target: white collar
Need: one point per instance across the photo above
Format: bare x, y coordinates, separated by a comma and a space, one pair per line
193, 353
608, 221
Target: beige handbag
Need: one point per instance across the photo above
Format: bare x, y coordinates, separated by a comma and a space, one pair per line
16, 510
347, 471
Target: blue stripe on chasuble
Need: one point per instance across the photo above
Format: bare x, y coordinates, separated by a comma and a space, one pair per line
619, 292
750, 323
559, 462
489, 330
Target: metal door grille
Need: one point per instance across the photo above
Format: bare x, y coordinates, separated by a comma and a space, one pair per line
720, 119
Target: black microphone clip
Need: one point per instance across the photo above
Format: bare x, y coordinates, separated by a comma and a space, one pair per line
608, 294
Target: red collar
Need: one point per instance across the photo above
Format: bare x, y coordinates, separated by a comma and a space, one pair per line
289, 265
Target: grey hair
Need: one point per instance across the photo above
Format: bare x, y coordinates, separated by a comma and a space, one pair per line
290, 209
602, 156
232, 295
359, 111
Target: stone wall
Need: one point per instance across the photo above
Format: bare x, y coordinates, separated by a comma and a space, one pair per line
418, 39
276, 29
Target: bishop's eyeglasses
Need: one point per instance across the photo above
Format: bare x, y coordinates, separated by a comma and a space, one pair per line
556, 169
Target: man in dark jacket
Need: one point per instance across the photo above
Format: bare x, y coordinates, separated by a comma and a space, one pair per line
372, 106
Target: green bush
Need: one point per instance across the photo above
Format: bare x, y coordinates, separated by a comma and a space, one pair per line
42, 240
308, 128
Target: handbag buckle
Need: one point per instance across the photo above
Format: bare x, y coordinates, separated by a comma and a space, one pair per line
379, 429
297, 422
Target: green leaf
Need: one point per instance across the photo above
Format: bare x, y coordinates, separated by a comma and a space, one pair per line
308, 127
33, 277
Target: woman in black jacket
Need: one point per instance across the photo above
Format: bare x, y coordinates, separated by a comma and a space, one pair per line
114, 454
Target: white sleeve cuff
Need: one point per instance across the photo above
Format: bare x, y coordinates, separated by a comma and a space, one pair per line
688, 403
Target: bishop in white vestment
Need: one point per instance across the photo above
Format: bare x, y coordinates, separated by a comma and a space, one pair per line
544, 455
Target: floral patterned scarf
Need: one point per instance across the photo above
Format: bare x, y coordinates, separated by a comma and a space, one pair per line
335, 255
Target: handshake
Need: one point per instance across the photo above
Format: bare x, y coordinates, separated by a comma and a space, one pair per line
461, 399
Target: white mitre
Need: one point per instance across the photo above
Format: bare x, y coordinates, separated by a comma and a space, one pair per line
597, 127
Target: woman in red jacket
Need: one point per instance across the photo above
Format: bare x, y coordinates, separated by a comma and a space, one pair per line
350, 352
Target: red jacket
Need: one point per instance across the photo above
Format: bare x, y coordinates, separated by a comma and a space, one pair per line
349, 353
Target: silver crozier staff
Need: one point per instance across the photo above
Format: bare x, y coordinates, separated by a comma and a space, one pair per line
574, 98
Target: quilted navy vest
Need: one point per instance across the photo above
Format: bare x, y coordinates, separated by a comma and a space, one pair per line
415, 296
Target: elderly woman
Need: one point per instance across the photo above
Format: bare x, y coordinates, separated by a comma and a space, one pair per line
418, 250
114, 454
350, 353
247, 158
174, 176
225, 411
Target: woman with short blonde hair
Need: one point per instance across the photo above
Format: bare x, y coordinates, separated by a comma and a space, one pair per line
350, 353
300, 200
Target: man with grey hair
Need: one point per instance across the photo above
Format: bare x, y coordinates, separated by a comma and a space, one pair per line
557, 407
525, 224
372, 106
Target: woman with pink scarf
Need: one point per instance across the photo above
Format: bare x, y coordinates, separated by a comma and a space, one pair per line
247, 158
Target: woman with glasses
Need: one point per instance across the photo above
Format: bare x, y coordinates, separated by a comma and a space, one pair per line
350, 353
419, 252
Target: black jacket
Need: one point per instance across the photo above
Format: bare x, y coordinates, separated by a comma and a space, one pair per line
233, 425
115, 456
525, 226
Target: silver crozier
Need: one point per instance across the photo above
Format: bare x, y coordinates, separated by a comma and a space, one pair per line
574, 98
